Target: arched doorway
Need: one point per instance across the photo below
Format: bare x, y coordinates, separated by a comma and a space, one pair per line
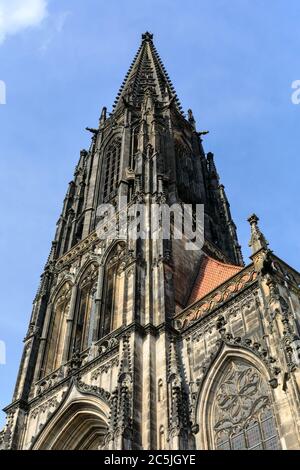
80, 426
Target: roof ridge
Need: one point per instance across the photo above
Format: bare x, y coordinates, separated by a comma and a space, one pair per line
224, 264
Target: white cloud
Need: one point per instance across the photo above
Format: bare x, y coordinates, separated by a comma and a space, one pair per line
56, 25
61, 20
17, 15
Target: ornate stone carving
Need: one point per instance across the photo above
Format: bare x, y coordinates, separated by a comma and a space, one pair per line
120, 426
215, 299
105, 368
6, 433
239, 398
241, 402
33, 330
49, 381
90, 275
290, 340
51, 403
100, 392
258, 240
77, 250
75, 363
179, 417
246, 343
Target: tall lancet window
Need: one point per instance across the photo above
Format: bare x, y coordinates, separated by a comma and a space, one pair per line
86, 309
186, 174
57, 330
242, 413
113, 292
112, 159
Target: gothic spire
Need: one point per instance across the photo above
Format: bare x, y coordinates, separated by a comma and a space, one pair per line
146, 72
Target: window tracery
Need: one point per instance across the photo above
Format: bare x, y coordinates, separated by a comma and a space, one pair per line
57, 330
242, 413
113, 292
111, 169
185, 173
86, 309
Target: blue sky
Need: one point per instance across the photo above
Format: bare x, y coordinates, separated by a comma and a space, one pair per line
232, 62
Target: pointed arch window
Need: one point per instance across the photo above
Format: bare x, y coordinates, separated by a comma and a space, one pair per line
242, 413
57, 330
86, 309
112, 160
186, 174
113, 292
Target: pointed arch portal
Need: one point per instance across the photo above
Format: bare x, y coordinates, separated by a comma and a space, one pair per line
82, 426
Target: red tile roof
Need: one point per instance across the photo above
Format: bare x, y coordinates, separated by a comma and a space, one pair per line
212, 273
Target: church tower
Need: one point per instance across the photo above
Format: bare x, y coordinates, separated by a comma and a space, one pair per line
139, 343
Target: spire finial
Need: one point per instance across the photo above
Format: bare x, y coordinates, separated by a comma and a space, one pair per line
103, 116
146, 70
212, 166
147, 36
191, 119
257, 241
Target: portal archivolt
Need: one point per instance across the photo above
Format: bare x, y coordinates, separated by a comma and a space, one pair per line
82, 426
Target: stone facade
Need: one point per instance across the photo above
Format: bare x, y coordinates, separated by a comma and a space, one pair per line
141, 344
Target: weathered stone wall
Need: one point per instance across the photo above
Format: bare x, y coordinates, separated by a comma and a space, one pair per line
259, 325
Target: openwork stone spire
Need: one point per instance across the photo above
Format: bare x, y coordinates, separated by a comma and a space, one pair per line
146, 72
